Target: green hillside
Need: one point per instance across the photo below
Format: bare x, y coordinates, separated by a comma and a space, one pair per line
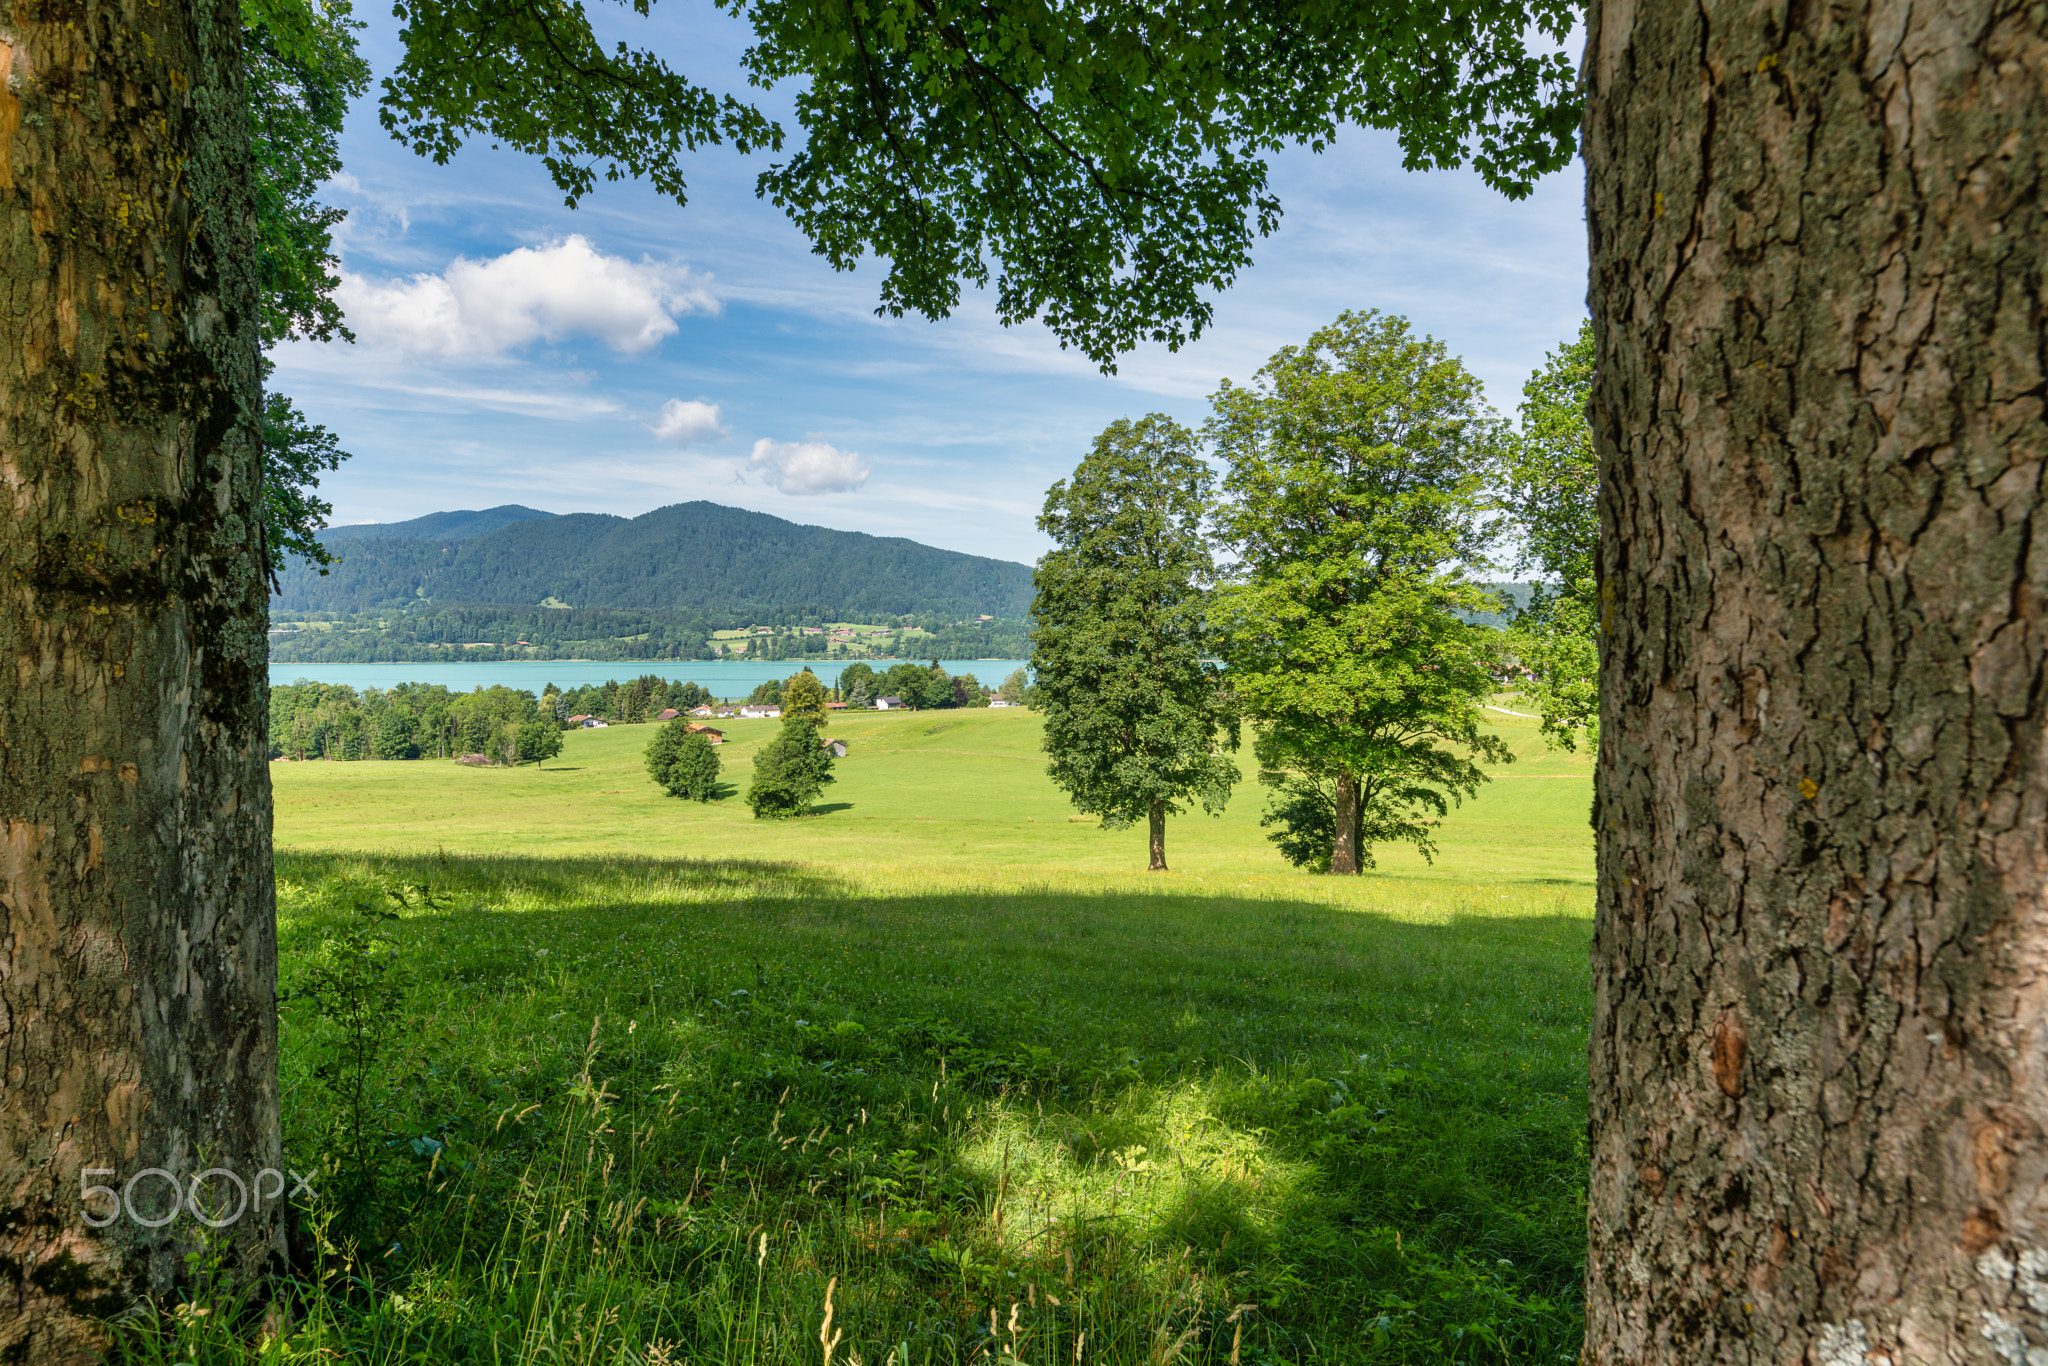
442, 526
690, 556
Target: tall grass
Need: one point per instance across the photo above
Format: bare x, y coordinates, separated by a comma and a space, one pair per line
645, 1111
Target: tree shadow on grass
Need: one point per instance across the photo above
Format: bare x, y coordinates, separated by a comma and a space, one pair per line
1316, 1109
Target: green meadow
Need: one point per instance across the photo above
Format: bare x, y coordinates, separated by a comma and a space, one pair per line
935, 1075
953, 789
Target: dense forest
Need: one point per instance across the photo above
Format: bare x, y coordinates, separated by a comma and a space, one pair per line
482, 633
691, 557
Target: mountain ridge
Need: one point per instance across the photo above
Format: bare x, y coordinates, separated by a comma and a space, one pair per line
698, 555
436, 526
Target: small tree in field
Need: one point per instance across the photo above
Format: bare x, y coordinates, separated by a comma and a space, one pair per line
803, 697
1133, 709
790, 773
539, 740
685, 765
1357, 466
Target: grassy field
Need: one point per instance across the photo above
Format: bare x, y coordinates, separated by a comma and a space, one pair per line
951, 788
625, 1080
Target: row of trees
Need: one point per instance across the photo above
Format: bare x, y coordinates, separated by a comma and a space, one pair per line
1364, 483
409, 721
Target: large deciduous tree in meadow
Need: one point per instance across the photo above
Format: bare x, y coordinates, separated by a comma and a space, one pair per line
1818, 1086
1135, 714
1551, 482
1357, 469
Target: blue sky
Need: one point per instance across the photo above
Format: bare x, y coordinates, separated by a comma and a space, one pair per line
630, 353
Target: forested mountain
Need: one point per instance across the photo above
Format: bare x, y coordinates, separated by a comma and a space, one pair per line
436, 526
690, 556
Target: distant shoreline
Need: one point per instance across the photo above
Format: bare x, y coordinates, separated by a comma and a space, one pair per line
580, 659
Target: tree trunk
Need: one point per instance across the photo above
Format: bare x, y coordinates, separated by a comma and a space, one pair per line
1344, 844
1819, 1067
138, 1026
1158, 814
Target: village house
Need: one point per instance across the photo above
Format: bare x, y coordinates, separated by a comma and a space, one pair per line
592, 723
999, 702
759, 712
891, 704
711, 733
668, 714
838, 747
704, 710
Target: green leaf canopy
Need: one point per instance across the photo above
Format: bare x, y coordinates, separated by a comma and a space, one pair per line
1100, 166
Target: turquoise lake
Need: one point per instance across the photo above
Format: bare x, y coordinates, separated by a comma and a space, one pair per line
724, 678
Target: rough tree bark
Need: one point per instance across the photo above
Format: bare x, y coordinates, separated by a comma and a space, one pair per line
138, 964
1158, 822
1344, 850
1819, 1066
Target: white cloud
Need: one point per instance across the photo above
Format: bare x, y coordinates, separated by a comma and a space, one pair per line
566, 288
689, 423
809, 466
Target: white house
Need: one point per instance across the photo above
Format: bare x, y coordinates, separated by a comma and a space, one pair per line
891, 704
594, 724
758, 712
999, 702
